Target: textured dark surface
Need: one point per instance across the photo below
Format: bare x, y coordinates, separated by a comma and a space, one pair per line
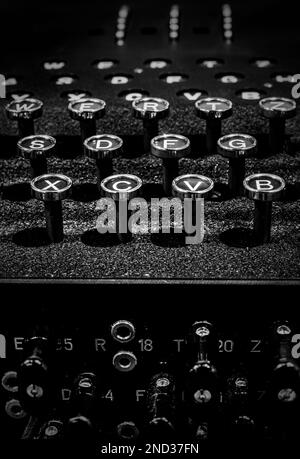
84, 253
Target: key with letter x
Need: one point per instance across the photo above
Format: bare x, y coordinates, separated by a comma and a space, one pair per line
52, 189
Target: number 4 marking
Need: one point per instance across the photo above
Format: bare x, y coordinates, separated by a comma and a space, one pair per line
109, 395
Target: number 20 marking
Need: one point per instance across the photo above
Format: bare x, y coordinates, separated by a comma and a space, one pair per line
226, 345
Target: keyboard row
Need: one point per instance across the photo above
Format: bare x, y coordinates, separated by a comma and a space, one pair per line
150, 110
124, 212
104, 148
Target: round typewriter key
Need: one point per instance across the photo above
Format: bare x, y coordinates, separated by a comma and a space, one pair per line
170, 148
236, 147
52, 189
277, 110
103, 148
263, 188
25, 112
37, 148
121, 188
150, 110
192, 186
213, 110
87, 111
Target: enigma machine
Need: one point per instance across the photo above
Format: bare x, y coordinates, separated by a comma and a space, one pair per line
149, 224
